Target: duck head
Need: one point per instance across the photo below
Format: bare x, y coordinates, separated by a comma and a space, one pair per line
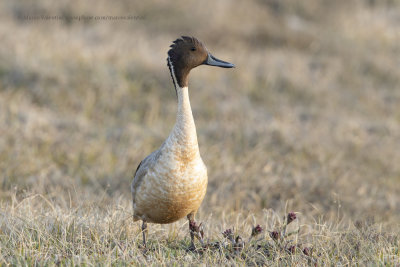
187, 53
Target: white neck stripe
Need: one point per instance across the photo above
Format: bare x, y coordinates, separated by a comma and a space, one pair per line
171, 69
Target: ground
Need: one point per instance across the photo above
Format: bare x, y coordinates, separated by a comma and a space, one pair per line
308, 122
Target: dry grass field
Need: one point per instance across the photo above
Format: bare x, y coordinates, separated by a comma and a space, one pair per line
307, 122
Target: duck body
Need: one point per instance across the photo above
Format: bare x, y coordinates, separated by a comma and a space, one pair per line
172, 181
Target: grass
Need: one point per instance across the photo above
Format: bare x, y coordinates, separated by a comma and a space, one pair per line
308, 122
37, 231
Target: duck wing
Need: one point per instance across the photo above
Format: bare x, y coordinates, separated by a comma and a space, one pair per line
142, 169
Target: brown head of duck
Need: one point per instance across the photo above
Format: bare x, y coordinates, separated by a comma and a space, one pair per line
187, 53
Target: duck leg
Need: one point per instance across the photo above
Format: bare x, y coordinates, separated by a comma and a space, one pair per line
144, 232
195, 231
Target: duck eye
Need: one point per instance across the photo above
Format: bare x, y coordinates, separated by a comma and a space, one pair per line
193, 49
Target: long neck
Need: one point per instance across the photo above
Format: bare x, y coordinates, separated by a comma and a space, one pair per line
185, 129
183, 136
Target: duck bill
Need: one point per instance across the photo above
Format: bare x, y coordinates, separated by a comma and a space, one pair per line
213, 61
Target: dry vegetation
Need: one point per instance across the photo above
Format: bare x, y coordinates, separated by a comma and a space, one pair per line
309, 121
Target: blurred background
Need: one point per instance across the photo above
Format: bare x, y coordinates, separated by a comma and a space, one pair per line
309, 120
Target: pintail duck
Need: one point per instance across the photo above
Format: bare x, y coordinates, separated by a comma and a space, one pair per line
171, 182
